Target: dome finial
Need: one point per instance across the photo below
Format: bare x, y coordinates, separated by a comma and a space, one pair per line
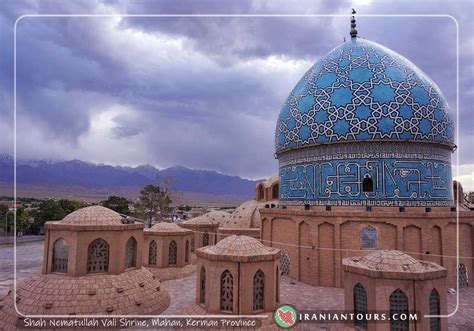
353, 24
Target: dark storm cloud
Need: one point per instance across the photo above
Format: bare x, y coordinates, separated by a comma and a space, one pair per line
200, 92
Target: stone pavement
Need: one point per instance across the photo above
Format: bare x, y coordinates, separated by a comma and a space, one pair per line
29, 260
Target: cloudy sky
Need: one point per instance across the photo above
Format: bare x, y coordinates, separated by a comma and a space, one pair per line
202, 92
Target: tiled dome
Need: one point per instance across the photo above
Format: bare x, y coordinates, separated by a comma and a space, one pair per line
93, 215
390, 260
363, 91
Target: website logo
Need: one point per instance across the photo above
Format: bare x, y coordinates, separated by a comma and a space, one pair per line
285, 316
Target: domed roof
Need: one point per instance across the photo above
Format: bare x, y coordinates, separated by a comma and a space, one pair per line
240, 248
93, 215
214, 217
363, 91
391, 260
166, 228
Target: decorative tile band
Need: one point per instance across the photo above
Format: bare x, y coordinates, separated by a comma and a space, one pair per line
393, 181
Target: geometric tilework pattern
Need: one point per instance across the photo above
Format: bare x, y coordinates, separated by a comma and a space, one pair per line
363, 91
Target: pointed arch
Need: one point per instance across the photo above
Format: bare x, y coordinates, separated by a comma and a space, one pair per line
60, 256
202, 282
152, 253
360, 305
367, 184
368, 237
227, 292
186, 251
275, 191
258, 291
435, 309
98, 256
172, 253
131, 253
463, 278
399, 305
205, 238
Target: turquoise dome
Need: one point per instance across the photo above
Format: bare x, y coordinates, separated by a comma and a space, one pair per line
362, 91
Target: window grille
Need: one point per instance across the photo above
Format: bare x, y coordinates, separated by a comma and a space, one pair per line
463, 277
173, 252
258, 290
60, 256
360, 305
435, 322
152, 253
285, 264
202, 295
186, 252
227, 292
368, 238
398, 305
205, 239
98, 256
130, 253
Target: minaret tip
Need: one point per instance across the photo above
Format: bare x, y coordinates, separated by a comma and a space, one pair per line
353, 24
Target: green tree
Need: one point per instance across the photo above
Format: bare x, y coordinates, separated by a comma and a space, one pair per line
4, 211
153, 202
51, 210
23, 220
117, 203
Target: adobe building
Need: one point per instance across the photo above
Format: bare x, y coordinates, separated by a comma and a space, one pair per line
167, 245
394, 282
245, 219
204, 228
238, 275
364, 144
92, 266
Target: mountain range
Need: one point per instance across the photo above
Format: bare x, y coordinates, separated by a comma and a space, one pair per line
87, 176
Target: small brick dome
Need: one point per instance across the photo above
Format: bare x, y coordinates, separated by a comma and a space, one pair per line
93, 215
390, 260
166, 228
212, 218
239, 248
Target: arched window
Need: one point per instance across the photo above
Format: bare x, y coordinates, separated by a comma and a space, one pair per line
368, 238
260, 193
275, 191
186, 251
462, 276
258, 291
285, 264
202, 294
360, 305
130, 253
98, 256
277, 282
435, 322
205, 238
227, 292
60, 256
367, 184
398, 305
173, 253
192, 243
152, 253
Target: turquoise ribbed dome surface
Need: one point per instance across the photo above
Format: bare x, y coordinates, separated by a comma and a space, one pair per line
363, 91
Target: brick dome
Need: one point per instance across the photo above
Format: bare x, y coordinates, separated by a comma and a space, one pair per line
165, 228
239, 248
391, 260
136, 292
93, 215
214, 217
